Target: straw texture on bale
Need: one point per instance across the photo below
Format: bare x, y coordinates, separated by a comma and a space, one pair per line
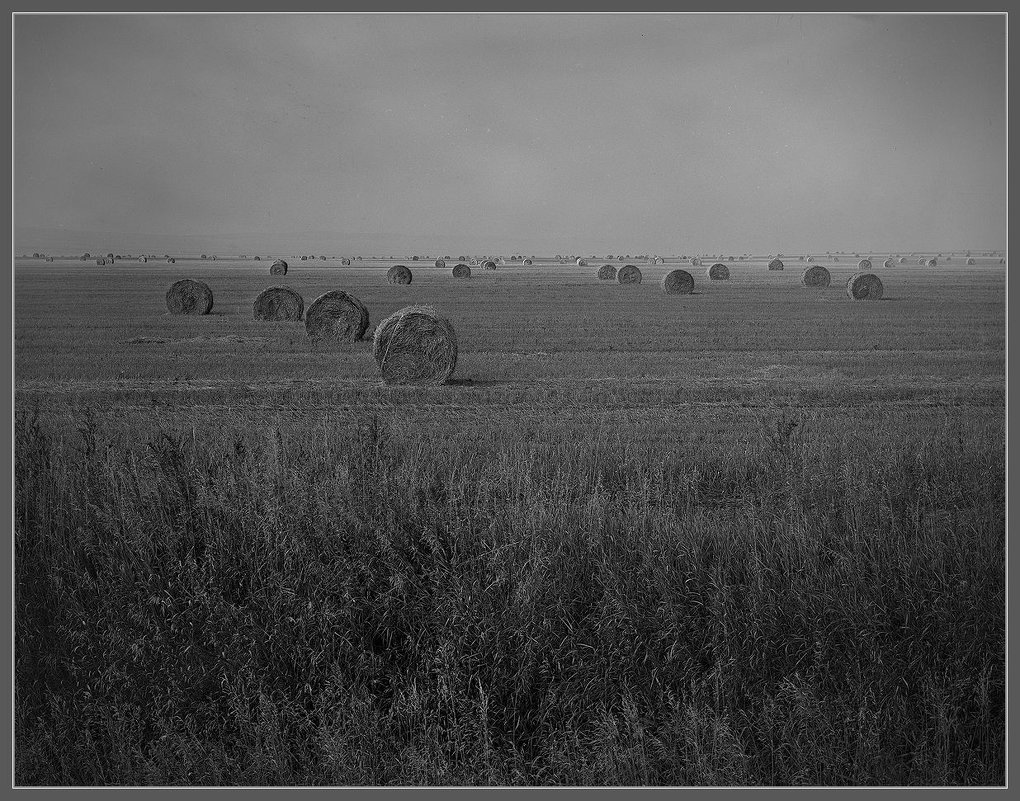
677, 282
461, 271
607, 272
776, 264
189, 297
440, 263
278, 303
338, 316
970, 261
718, 272
816, 275
582, 263
864, 265
864, 286
399, 274
415, 345
695, 262
932, 263
489, 265
629, 274
279, 267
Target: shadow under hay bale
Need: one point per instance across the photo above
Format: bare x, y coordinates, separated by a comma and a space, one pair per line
279, 267
489, 265
864, 286
461, 271
776, 264
718, 272
677, 282
629, 274
399, 274
278, 303
337, 316
415, 345
607, 272
816, 276
188, 296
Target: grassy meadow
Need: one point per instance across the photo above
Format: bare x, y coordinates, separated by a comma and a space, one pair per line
754, 535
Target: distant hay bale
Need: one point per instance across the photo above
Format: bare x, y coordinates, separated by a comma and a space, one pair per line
835, 258
607, 272
345, 262
903, 260
101, 262
171, 260
816, 276
258, 258
415, 345
142, 259
931, 263
677, 282
810, 259
658, 260
213, 258
188, 296
800, 258
629, 274
864, 286
414, 258
461, 271
718, 272
581, 263
440, 263
49, 258
776, 264
398, 274
278, 303
864, 265
695, 261
489, 265
528, 261
279, 267
971, 261
921, 261
620, 258
887, 263
337, 316
732, 258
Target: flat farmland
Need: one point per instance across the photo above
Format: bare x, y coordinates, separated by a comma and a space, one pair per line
750, 535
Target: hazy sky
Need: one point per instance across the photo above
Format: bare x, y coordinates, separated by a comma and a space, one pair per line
650, 133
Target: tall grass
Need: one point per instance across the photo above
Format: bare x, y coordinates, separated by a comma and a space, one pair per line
370, 603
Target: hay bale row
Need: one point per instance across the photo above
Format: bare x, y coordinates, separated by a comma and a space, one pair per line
278, 303
629, 274
399, 274
864, 286
188, 296
677, 282
415, 345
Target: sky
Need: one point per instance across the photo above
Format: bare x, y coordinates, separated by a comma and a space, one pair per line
575, 133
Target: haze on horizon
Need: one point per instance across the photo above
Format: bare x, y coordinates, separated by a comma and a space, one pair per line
654, 133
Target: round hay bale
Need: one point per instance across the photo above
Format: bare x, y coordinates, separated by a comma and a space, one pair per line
345, 262
415, 345
810, 259
528, 262
921, 261
971, 261
398, 274
864, 286
931, 263
677, 282
658, 260
620, 258
800, 258
461, 271
864, 265
607, 272
414, 258
440, 263
258, 258
776, 264
581, 263
888, 263
171, 261
903, 259
732, 258
279, 267
718, 272
695, 261
189, 297
629, 274
278, 303
142, 259
337, 316
49, 258
816, 276
489, 265
101, 262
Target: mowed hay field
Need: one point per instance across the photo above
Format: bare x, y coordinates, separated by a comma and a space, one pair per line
752, 535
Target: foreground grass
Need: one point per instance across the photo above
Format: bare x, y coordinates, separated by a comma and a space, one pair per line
374, 602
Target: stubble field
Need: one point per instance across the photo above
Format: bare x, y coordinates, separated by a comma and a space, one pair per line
752, 535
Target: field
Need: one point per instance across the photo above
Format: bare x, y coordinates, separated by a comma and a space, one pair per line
754, 535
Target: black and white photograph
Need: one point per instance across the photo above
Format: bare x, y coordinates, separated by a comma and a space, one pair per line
509, 400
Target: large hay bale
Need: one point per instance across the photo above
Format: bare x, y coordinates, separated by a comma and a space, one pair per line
489, 265
776, 264
695, 261
607, 272
932, 262
415, 345
440, 263
629, 274
461, 271
864, 265
581, 263
970, 261
188, 296
816, 276
279, 267
718, 272
864, 286
278, 303
677, 282
337, 316
398, 274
